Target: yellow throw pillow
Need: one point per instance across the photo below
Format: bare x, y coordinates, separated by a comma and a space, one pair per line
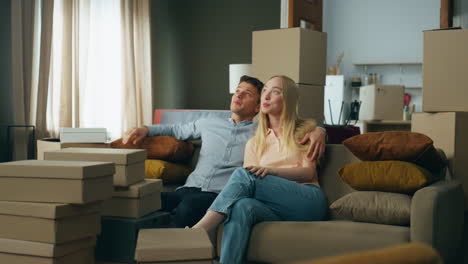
385, 176
168, 172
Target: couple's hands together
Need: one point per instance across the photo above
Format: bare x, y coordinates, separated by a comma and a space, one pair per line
260, 171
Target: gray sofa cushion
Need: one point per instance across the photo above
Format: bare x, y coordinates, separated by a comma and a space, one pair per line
273, 242
373, 207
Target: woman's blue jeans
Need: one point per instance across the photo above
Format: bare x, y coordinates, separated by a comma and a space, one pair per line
247, 200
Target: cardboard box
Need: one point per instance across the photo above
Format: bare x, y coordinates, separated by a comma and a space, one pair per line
310, 104
27, 249
83, 135
47, 144
448, 131
381, 102
74, 182
295, 52
445, 82
26, 252
49, 222
129, 163
135, 201
118, 237
161, 245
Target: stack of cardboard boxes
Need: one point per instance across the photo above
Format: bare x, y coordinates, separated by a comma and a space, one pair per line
133, 204
50, 210
133, 196
445, 101
299, 54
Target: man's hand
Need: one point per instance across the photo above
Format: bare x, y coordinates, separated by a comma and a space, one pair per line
317, 143
135, 135
259, 171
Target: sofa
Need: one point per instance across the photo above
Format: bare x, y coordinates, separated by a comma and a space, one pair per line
436, 216
409, 253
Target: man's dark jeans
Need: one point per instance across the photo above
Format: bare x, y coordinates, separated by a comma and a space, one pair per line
187, 205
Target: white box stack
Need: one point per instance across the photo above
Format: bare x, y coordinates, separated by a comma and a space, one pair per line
83, 135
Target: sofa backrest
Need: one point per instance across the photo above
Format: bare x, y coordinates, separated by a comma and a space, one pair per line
336, 156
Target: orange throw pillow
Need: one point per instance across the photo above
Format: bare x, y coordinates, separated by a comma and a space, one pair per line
161, 148
386, 176
397, 145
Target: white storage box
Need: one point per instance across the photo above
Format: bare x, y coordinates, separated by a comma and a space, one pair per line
83, 135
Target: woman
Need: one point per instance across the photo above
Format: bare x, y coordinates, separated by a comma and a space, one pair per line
277, 183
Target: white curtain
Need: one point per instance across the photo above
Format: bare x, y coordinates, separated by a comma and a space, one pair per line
88, 67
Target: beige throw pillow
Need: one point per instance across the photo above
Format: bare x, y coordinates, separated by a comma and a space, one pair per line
374, 207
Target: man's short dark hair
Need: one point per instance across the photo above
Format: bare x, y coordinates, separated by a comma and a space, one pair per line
253, 81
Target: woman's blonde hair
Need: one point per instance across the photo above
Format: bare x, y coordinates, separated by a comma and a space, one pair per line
293, 128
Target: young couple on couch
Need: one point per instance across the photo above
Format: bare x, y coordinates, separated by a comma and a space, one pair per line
248, 171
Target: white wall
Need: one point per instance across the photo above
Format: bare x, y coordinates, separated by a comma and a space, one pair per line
380, 31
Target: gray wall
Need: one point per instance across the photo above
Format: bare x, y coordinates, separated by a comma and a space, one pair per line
460, 13
6, 115
166, 57
195, 41
375, 31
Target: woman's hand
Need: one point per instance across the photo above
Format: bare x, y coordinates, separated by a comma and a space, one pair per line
260, 171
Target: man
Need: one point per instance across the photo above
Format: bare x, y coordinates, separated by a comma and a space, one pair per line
221, 153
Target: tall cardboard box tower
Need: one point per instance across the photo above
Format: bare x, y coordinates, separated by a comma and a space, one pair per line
299, 54
445, 92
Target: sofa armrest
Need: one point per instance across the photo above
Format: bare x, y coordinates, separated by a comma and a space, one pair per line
437, 213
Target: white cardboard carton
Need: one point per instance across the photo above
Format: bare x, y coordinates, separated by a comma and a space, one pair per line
83, 135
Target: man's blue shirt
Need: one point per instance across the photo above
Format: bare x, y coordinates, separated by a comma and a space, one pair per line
222, 150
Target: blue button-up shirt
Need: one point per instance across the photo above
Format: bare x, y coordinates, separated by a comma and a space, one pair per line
222, 150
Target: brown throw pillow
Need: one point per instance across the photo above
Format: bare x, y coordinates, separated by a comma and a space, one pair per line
397, 145
161, 148
385, 176
374, 207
